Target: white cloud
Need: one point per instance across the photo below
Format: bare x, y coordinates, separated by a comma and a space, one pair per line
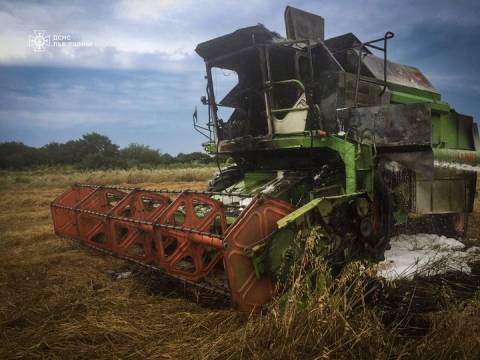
147, 9
164, 32
58, 119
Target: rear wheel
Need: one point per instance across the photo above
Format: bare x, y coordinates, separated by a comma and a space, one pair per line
226, 178
451, 225
382, 220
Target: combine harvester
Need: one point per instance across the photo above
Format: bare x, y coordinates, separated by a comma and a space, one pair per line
323, 134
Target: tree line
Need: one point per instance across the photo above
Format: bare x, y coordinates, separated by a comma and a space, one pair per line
91, 151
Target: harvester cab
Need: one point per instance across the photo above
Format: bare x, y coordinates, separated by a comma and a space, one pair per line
324, 134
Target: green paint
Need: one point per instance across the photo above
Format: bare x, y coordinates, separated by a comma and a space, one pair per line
350, 153
255, 179
414, 92
279, 243
447, 132
210, 147
400, 217
298, 213
409, 98
357, 158
324, 206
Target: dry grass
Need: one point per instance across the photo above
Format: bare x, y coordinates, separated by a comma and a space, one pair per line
62, 177
60, 301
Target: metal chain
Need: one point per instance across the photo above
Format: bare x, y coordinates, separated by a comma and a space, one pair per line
165, 191
135, 221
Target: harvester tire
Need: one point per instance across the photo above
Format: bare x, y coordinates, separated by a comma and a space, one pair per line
383, 219
226, 178
451, 225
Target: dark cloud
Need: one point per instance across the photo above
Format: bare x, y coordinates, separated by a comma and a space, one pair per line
141, 79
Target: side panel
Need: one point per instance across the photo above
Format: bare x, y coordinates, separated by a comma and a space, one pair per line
389, 125
454, 131
445, 193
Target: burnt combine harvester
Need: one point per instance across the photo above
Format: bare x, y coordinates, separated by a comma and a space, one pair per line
323, 134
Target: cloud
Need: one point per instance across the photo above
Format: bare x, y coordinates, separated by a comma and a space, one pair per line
58, 119
160, 31
106, 58
145, 9
141, 78
115, 92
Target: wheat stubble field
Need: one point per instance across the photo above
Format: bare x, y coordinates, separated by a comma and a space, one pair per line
58, 300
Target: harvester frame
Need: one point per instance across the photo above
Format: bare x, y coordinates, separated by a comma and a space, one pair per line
323, 134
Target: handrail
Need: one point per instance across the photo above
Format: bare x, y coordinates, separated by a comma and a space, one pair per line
277, 111
290, 81
388, 35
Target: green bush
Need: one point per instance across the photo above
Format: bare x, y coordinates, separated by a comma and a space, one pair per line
92, 151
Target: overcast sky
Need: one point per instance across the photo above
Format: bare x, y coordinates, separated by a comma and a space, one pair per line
138, 78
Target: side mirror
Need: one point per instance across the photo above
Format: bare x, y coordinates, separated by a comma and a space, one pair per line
195, 117
201, 129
